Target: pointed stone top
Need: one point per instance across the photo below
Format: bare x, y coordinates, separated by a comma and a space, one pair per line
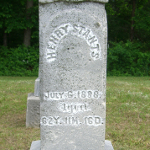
51, 1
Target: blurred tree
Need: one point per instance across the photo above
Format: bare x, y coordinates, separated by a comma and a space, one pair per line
129, 20
27, 31
17, 19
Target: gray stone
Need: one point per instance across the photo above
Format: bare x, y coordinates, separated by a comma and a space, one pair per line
108, 145
33, 111
50, 1
36, 145
37, 87
33, 107
72, 75
73, 50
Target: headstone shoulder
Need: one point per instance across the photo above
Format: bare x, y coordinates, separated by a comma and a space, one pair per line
51, 1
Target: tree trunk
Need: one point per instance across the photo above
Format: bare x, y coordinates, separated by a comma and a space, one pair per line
132, 20
27, 37
27, 31
4, 39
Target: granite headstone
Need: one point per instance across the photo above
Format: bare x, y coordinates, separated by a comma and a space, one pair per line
72, 72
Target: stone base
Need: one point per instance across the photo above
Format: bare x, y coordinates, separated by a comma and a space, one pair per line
36, 145
33, 111
108, 145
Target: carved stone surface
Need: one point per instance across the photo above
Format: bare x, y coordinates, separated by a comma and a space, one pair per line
73, 48
33, 111
50, 1
36, 145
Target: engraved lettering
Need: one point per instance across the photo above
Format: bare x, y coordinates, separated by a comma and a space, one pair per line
70, 95
75, 27
86, 34
57, 119
51, 46
52, 95
92, 40
51, 55
57, 95
84, 94
65, 28
93, 120
97, 120
97, 47
89, 94
64, 108
44, 120
66, 120
74, 107
50, 120
61, 94
80, 32
53, 39
74, 120
96, 55
78, 93
90, 119
96, 94
59, 33
71, 120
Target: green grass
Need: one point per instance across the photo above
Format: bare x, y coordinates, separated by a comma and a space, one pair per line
13, 101
128, 113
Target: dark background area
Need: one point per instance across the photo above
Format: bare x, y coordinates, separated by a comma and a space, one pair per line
128, 38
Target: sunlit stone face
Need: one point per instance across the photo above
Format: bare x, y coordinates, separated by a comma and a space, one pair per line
73, 39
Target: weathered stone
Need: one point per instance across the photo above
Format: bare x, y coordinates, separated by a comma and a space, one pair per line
72, 73
108, 145
33, 107
33, 111
50, 1
37, 87
36, 145
73, 50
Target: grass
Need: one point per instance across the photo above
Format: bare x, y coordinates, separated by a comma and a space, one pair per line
13, 101
128, 113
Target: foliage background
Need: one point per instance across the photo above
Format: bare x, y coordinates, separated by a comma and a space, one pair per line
128, 38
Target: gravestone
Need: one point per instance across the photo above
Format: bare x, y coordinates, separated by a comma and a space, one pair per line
72, 72
33, 107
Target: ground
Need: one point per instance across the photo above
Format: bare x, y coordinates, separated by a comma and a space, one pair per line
128, 117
